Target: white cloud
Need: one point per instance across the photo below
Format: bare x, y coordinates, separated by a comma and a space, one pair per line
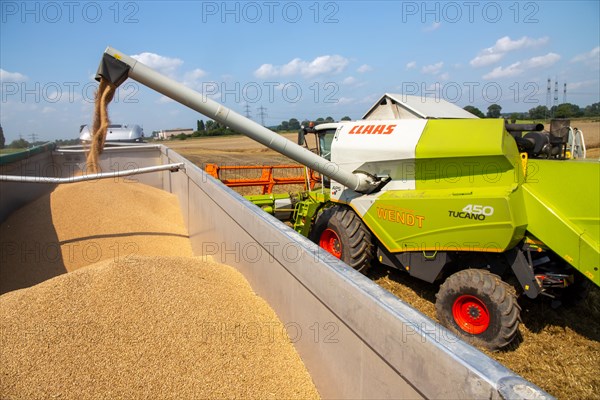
345, 100
411, 65
432, 27
165, 65
48, 110
505, 44
364, 68
519, 67
349, 80
486, 59
328, 64
500, 72
444, 77
193, 78
432, 68
6, 76
590, 59
165, 100
590, 55
492, 55
542, 61
581, 84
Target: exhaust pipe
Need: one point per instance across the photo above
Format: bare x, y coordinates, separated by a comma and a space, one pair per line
116, 67
524, 127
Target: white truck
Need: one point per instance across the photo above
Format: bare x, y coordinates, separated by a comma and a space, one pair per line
116, 133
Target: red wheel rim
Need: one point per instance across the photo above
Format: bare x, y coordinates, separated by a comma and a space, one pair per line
330, 241
470, 314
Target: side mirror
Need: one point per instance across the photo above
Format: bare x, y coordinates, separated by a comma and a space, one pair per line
301, 139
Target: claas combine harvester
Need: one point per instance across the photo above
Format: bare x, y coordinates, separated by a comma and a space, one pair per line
474, 204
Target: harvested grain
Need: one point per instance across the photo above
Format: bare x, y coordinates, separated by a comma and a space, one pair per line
146, 327
82, 223
104, 96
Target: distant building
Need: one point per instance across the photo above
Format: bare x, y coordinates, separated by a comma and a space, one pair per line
167, 133
402, 106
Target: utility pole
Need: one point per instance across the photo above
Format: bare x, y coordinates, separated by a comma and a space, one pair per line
247, 111
33, 138
565, 93
262, 113
548, 98
556, 92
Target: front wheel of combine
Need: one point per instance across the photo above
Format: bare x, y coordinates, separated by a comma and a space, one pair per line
480, 307
342, 233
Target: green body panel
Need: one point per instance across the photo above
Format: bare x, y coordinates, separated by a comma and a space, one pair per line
306, 206
563, 207
267, 201
417, 220
466, 196
465, 154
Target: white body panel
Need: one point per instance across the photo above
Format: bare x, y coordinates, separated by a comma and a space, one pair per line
403, 106
378, 148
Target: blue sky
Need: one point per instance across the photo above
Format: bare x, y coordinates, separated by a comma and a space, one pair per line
296, 59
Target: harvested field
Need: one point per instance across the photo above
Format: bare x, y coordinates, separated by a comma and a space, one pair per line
560, 350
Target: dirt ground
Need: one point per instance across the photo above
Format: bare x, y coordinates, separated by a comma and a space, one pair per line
559, 348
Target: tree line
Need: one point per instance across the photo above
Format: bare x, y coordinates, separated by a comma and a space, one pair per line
24, 144
564, 110
214, 128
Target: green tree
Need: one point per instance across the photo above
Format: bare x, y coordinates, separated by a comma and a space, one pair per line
284, 126
539, 112
293, 124
200, 126
346, 118
592, 110
329, 119
2, 138
568, 110
494, 111
475, 111
19, 144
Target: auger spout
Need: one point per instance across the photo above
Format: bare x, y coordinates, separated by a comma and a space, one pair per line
116, 67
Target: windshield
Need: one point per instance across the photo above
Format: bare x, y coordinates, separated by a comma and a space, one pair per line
325, 139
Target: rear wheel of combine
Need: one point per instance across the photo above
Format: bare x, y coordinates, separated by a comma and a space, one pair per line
342, 233
480, 307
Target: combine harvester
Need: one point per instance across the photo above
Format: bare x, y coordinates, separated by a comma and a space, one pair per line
403, 202
471, 203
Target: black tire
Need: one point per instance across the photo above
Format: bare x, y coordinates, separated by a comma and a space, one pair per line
353, 240
480, 307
